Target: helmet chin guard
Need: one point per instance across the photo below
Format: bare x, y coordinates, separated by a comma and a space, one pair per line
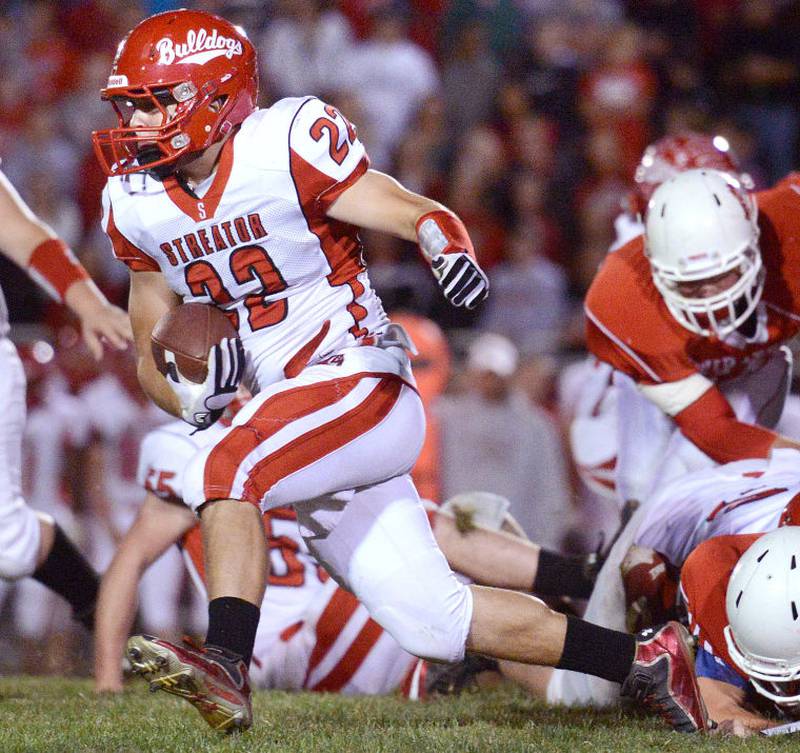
702, 224
199, 63
763, 608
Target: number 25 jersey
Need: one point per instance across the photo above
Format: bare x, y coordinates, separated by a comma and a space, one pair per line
254, 238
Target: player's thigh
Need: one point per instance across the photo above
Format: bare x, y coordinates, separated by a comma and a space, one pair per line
305, 438
378, 543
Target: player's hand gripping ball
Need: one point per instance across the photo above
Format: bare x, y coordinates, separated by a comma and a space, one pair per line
196, 347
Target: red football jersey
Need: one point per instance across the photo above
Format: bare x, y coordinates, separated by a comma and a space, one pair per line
630, 327
704, 583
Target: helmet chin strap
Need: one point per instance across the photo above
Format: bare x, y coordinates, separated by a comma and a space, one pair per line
152, 153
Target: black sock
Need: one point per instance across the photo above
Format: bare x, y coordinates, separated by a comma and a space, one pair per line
557, 575
597, 651
67, 572
232, 625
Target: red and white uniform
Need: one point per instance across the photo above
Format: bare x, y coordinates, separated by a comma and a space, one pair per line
702, 383
313, 635
336, 424
258, 243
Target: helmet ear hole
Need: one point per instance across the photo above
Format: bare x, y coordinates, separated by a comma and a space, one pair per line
761, 603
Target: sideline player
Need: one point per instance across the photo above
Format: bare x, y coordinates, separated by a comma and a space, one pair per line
256, 211
33, 543
741, 594
312, 635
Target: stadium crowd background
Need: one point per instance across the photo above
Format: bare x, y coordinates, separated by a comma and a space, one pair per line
526, 117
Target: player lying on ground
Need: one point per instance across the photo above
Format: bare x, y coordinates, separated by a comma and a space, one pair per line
312, 635
32, 543
743, 595
638, 583
256, 211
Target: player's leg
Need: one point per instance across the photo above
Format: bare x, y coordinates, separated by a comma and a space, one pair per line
32, 543
300, 439
378, 543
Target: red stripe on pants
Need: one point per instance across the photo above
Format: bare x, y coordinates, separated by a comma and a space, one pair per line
224, 460
322, 440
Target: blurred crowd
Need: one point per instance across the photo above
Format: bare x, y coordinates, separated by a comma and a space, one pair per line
526, 117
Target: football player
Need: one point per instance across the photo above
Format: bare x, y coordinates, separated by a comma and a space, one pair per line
624, 471
312, 635
637, 585
32, 543
742, 594
256, 211
710, 296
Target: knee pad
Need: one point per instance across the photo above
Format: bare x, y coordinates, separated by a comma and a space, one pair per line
435, 630
19, 541
403, 579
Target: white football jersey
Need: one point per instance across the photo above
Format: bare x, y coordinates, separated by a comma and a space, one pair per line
748, 496
255, 240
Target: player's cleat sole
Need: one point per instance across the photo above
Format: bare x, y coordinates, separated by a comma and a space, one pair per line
216, 687
662, 678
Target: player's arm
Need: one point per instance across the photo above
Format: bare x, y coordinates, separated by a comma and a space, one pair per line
158, 525
727, 706
150, 298
29, 242
707, 419
378, 202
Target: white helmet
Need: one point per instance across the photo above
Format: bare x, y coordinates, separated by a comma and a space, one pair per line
701, 224
763, 607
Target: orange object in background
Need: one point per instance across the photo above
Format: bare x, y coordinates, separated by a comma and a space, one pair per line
432, 372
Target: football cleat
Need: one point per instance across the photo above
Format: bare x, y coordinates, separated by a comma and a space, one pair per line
212, 680
662, 678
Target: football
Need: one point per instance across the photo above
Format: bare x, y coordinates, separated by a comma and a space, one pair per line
189, 331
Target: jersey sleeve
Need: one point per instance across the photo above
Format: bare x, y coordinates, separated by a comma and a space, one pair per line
325, 155
704, 582
628, 325
124, 250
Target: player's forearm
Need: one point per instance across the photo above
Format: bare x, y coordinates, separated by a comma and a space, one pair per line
711, 425
156, 387
725, 704
492, 558
116, 610
85, 299
379, 202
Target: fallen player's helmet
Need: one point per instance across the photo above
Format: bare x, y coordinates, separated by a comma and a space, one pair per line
197, 62
763, 607
701, 225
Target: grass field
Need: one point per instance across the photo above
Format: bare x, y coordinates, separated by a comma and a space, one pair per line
64, 716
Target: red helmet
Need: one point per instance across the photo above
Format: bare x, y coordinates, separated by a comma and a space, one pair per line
186, 57
671, 155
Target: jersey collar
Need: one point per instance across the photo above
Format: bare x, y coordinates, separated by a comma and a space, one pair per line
204, 207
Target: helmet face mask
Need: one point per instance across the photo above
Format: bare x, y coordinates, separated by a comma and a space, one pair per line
701, 225
762, 603
197, 69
